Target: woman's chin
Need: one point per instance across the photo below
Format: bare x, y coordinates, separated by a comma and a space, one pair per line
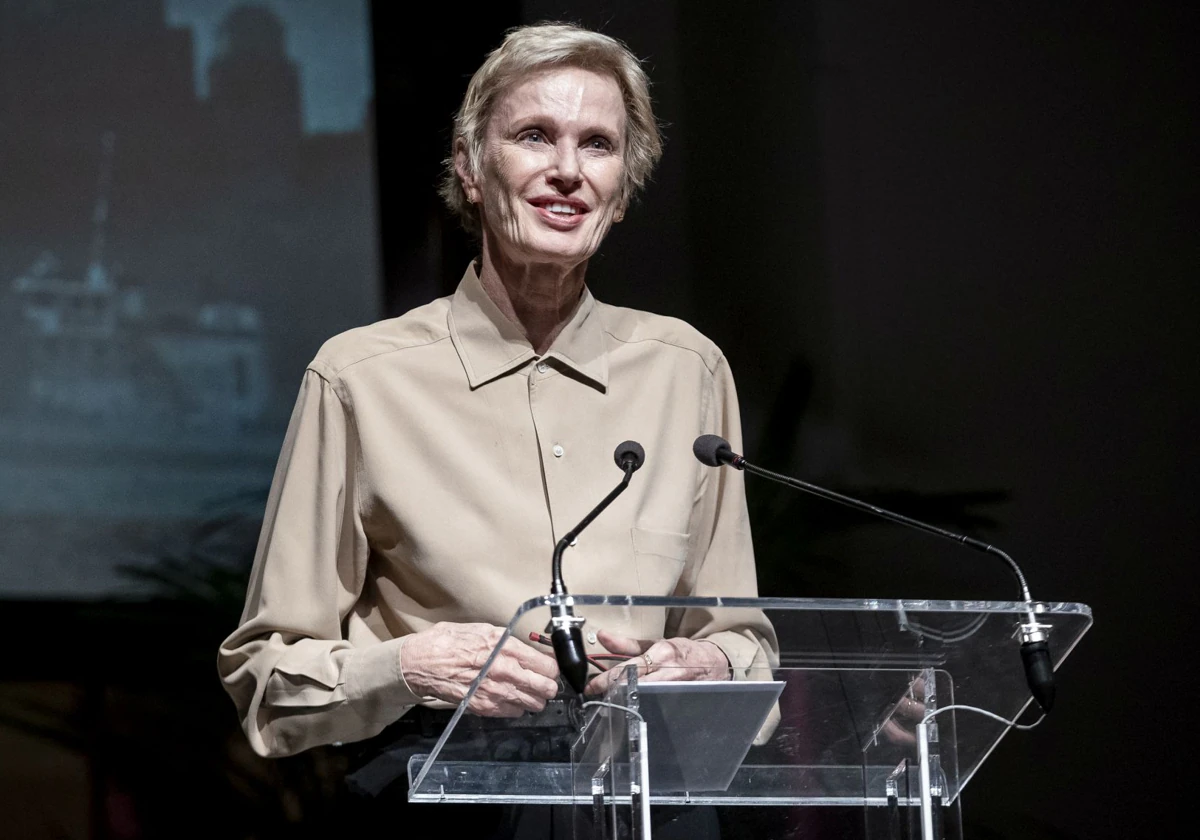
566, 252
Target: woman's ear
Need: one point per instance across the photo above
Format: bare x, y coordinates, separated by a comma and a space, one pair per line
619, 215
466, 174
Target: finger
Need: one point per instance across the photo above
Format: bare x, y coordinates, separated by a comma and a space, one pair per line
910, 709
665, 660
509, 671
490, 708
523, 702
501, 698
539, 680
897, 734
532, 660
538, 685
623, 645
601, 683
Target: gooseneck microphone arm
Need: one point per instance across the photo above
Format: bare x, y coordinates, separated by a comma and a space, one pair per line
565, 634
557, 587
714, 451
728, 456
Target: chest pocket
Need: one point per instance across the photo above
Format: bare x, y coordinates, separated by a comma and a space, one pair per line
652, 568
659, 558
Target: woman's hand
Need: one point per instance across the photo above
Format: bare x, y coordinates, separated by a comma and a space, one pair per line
443, 660
901, 725
668, 659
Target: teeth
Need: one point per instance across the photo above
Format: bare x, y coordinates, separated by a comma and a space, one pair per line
562, 208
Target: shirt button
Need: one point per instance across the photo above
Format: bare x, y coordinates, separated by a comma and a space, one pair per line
541, 367
591, 638
558, 451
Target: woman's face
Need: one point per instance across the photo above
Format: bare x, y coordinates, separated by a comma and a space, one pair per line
549, 185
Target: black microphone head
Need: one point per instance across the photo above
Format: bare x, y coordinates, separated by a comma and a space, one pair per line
571, 656
1039, 673
712, 450
630, 454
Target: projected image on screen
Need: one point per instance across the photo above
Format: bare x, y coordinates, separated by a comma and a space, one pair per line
187, 214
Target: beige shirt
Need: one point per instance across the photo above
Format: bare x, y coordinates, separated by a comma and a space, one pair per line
431, 463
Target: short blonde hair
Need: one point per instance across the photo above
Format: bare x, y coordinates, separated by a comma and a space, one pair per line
527, 49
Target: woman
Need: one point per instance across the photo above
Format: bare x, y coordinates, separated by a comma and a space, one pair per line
433, 460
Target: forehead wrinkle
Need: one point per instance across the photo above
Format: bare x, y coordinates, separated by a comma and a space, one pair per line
577, 104
550, 92
557, 95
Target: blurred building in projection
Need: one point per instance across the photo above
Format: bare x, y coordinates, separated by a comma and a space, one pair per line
168, 265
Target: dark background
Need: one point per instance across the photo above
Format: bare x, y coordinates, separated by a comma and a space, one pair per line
949, 252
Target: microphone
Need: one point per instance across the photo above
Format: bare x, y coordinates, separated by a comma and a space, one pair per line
565, 634
631, 454
714, 451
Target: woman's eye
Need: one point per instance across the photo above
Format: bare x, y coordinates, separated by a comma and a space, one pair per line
599, 144
532, 137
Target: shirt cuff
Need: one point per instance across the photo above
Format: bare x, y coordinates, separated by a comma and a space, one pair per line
746, 658
375, 685
748, 661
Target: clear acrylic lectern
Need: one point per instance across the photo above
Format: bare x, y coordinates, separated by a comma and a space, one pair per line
843, 718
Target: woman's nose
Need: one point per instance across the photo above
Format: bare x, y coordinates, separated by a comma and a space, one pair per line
566, 164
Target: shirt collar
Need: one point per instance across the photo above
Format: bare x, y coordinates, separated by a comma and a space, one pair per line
490, 345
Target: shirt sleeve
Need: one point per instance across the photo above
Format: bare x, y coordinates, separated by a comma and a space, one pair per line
724, 552
296, 681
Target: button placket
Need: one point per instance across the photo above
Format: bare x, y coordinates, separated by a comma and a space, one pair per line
539, 436
557, 448
542, 411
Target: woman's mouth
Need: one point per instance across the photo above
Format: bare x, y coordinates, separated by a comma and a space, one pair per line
561, 209
563, 215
